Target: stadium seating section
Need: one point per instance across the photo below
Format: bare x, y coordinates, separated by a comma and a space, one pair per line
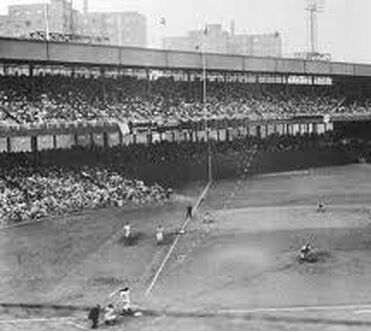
56, 98
28, 192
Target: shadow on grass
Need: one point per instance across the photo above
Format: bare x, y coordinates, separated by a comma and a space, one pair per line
132, 240
168, 239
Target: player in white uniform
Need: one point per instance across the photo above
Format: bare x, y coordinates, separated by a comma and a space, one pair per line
160, 234
110, 317
125, 301
305, 251
127, 231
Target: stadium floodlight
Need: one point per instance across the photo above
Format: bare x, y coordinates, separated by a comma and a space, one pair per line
162, 24
313, 8
72, 23
207, 131
46, 14
202, 48
86, 6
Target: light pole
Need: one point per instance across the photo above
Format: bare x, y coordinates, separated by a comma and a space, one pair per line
46, 14
163, 43
314, 7
204, 86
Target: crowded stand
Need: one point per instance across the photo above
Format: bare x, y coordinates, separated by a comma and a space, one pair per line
58, 182
71, 180
28, 194
355, 106
55, 98
125, 158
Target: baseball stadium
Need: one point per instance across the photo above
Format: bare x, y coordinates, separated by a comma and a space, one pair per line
223, 192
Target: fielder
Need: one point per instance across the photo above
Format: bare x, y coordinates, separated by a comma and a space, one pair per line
305, 251
127, 231
160, 235
321, 207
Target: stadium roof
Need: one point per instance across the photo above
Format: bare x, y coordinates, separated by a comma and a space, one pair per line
27, 51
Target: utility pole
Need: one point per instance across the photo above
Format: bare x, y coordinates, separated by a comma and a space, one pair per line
313, 8
86, 7
204, 86
72, 23
46, 14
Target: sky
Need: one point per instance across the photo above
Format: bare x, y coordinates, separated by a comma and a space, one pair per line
344, 25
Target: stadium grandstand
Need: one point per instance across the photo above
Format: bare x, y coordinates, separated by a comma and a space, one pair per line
132, 106
95, 136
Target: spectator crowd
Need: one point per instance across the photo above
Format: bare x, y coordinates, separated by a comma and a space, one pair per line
28, 194
60, 98
82, 178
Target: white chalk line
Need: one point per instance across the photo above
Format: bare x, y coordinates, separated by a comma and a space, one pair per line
156, 320
304, 207
283, 174
158, 273
360, 312
66, 320
357, 308
29, 320
79, 326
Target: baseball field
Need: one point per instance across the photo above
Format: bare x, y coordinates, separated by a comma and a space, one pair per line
239, 271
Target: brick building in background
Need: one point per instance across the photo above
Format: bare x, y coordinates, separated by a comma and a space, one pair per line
58, 16
217, 40
126, 28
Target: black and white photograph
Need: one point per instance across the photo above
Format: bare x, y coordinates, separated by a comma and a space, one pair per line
173, 165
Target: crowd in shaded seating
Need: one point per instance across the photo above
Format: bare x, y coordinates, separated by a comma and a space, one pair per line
57, 98
28, 193
177, 152
134, 155
355, 106
59, 182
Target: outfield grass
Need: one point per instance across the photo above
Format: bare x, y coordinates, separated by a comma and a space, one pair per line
79, 259
244, 261
247, 259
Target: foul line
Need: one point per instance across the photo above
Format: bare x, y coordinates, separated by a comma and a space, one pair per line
154, 280
360, 312
43, 306
29, 320
79, 326
355, 308
66, 320
352, 307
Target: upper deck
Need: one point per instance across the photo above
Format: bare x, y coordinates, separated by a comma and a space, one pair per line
29, 51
